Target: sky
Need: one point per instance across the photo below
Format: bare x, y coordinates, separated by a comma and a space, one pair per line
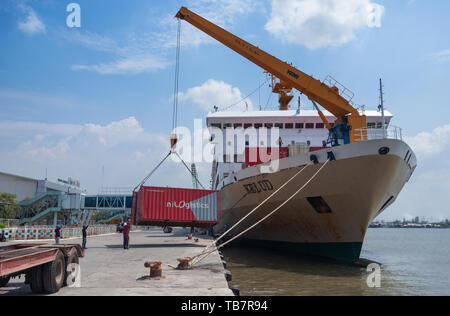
94, 102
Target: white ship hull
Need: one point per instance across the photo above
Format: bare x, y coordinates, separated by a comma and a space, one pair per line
358, 186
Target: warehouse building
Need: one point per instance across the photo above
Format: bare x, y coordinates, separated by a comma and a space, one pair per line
24, 187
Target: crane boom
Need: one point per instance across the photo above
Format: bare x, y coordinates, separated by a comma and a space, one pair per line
289, 76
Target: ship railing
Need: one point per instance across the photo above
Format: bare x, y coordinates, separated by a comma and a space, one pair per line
391, 132
344, 92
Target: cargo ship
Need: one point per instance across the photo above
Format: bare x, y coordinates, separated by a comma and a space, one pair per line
317, 178
330, 217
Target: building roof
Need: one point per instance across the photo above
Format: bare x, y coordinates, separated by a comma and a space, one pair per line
17, 176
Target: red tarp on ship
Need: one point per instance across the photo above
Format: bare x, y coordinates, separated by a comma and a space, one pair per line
253, 155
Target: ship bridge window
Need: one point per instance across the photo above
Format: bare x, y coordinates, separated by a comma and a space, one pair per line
268, 125
380, 125
320, 125
289, 125
299, 125
309, 125
371, 125
248, 125
278, 125
258, 125
237, 125
319, 204
227, 125
216, 125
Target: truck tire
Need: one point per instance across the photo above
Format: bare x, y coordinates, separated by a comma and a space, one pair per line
4, 281
36, 281
72, 258
54, 274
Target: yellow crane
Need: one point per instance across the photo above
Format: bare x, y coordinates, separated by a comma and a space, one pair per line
350, 126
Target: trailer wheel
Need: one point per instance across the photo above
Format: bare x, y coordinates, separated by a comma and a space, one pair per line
4, 281
72, 258
36, 281
54, 274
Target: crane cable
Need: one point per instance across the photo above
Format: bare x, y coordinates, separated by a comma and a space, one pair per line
206, 253
174, 114
177, 76
151, 172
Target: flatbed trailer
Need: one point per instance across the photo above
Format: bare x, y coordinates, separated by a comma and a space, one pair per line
44, 265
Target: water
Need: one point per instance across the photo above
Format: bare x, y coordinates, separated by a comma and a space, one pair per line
415, 262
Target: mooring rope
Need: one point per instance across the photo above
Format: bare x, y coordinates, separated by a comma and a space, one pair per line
196, 261
255, 209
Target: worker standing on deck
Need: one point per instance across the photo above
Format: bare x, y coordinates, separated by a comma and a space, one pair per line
126, 235
84, 232
57, 234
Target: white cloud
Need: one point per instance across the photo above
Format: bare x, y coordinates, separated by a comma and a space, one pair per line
428, 144
216, 93
221, 12
442, 56
9, 128
122, 148
322, 23
130, 65
131, 58
425, 195
91, 40
32, 24
146, 51
115, 133
9, 96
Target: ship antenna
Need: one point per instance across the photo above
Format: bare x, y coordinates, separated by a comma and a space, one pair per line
381, 108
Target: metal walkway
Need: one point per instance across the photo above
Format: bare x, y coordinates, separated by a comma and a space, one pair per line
80, 206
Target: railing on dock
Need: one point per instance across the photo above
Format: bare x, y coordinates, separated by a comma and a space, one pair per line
391, 132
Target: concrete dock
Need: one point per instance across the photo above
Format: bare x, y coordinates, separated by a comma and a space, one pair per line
107, 269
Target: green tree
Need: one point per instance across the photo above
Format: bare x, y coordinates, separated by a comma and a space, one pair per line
9, 208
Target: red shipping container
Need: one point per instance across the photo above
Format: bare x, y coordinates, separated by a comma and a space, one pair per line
159, 206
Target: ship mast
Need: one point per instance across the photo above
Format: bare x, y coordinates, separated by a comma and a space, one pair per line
381, 108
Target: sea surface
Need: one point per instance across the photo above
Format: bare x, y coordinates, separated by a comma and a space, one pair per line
414, 262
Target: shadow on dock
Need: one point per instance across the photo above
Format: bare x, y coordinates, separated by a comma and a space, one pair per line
163, 245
